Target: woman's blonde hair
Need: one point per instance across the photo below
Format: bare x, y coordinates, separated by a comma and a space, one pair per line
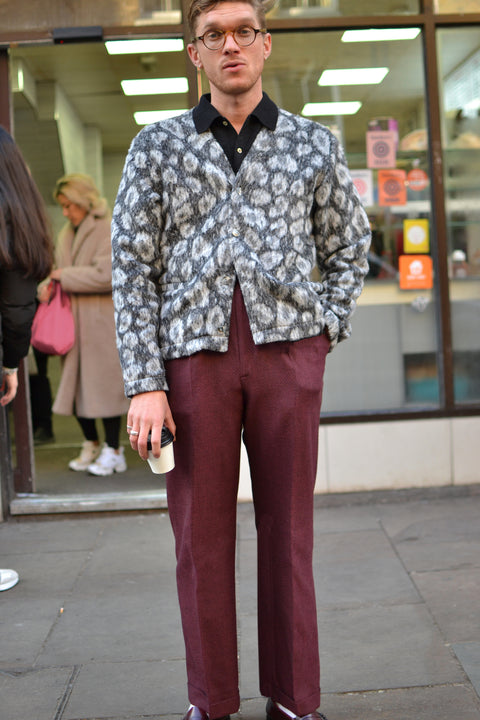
81, 190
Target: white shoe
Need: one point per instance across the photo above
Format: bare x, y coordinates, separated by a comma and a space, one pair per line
89, 453
108, 462
8, 578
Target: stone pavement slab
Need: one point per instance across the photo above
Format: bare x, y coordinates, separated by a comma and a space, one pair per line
92, 631
28, 614
33, 694
121, 618
453, 598
24, 537
469, 655
456, 702
359, 567
381, 647
128, 690
439, 703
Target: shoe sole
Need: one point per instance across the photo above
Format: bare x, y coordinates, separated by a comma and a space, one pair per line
102, 474
9, 585
79, 469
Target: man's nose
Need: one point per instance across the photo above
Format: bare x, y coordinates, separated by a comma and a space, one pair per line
230, 41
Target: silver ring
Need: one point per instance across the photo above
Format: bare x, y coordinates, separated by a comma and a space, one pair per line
134, 432
129, 427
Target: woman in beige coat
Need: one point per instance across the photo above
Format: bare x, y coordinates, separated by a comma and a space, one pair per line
91, 384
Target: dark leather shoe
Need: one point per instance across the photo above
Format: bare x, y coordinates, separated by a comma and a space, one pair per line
274, 713
195, 713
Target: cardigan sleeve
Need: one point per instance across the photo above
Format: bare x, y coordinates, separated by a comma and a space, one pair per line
136, 227
342, 238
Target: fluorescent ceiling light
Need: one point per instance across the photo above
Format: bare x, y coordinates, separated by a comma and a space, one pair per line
146, 117
155, 86
473, 104
471, 108
151, 45
353, 76
331, 108
380, 34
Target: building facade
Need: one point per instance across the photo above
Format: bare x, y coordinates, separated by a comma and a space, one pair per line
399, 82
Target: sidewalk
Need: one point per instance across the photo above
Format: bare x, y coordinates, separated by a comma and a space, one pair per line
92, 630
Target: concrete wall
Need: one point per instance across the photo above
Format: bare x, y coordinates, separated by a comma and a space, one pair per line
392, 455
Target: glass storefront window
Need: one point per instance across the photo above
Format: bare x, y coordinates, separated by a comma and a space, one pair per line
457, 6
390, 362
341, 8
70, 114
39, 16
459, 53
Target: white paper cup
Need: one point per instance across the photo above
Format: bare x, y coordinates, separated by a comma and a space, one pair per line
166, 461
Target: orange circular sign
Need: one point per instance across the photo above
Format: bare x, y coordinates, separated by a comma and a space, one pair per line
417, 179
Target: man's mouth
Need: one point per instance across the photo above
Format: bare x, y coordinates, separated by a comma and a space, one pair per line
233, 65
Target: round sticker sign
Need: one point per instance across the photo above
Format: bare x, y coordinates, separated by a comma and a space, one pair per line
417, 179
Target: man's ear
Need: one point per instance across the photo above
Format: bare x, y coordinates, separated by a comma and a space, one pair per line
267, 45
194, 55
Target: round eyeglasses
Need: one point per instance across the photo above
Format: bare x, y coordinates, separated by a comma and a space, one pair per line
243, 36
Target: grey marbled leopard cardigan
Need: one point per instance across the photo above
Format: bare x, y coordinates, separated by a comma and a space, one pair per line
185, 227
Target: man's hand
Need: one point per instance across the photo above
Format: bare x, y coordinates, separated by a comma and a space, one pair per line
148, 413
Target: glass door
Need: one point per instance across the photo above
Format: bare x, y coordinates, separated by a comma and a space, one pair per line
76, 108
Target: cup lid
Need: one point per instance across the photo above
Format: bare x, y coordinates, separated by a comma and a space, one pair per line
167, 437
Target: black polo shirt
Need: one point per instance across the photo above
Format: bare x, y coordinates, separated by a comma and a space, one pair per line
235, 145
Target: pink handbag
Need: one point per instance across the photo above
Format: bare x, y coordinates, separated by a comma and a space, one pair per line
53, 328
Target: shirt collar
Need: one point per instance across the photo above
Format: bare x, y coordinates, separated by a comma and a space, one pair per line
204, 114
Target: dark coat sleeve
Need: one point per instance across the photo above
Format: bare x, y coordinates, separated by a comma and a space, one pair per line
17, 308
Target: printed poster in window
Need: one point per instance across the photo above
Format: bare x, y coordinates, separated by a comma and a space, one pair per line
416, 272
381, 148
392, 188
363, 181
416, 236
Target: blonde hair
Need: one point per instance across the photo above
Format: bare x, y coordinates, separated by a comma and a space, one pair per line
80, 189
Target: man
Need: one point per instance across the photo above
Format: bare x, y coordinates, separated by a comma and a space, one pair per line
222, 214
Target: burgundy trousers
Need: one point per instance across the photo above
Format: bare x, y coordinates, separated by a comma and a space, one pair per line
273, 392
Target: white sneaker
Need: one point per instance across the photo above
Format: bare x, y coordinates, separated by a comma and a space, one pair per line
108, 462
8, 578
90, 452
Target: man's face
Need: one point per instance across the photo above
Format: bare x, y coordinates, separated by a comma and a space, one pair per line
231, 70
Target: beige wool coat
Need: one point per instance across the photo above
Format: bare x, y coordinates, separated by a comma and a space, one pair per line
91, 383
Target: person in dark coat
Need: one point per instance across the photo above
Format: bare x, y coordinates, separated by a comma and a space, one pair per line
26, 255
